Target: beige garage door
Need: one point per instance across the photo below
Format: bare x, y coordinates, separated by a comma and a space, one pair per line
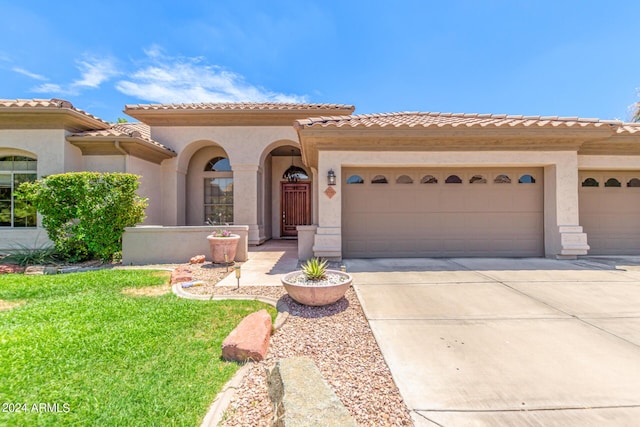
442, 212
610, 211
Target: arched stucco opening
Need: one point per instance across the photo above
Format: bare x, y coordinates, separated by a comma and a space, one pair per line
284, 204
208, 184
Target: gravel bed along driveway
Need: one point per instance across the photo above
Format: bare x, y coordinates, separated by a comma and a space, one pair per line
336, 337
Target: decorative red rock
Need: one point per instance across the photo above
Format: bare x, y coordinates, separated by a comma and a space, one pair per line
198, 259
181, 274
250, 339
10, 268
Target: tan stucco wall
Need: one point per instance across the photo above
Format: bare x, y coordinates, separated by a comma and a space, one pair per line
563, 235
167, 245
609, 162
116, 163
18, 238
243, 144
48, 146
72, 158
150, 187
267, 195
247, 149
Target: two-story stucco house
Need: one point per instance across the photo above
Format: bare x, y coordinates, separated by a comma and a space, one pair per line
381, 185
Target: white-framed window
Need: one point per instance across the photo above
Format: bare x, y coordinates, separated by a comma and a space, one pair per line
14, 170
218, 192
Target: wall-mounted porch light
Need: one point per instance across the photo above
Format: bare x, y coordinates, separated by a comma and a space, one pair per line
331, 177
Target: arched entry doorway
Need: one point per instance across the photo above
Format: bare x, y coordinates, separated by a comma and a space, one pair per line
291, 187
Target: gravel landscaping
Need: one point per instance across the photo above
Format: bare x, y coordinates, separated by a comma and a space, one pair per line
337, 337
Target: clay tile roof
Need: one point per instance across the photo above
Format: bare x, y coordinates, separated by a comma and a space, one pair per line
39, 104
238, 106
136, 130
431, 119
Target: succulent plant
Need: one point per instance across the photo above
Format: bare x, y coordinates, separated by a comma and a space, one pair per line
314, 269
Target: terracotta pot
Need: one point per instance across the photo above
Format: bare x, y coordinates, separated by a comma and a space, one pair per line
223, 245
316, 295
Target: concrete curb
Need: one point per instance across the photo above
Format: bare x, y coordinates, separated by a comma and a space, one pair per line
222, 400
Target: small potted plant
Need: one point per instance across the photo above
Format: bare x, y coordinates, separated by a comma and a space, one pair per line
316, 285
223, 245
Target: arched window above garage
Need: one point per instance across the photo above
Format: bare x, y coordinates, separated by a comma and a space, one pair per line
478, 179
453, 179
633, 182
404, 179
527, 179
502, 179
379, 179
590, 182
429, 179
355, 179
612, 182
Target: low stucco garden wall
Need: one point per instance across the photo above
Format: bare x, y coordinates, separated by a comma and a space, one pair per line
150, 244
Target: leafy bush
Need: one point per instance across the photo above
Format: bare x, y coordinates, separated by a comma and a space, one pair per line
314, 269
85, 213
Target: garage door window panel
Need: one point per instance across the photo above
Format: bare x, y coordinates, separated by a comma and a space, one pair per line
526, 179
612, 182
404, 179
502, 179
355, 179
478, 179
633, 183
453, 179
429, 179
379, 179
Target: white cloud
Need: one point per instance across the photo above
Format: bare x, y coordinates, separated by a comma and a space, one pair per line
180, 80
28, 73
52, 88
94, 72
164, 79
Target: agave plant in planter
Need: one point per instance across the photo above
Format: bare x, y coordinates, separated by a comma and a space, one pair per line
316, 285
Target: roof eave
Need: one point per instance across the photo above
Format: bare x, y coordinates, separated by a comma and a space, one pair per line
228, 117
49, 118
106, 145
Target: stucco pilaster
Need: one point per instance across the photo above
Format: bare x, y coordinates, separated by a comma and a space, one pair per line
172, 178
245, 199
564, 237
328, 239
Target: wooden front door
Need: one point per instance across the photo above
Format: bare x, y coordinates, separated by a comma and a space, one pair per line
295, 206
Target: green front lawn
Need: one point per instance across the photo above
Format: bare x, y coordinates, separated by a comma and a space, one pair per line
85, 354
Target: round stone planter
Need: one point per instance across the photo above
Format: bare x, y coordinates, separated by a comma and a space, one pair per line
317, 293
223, 245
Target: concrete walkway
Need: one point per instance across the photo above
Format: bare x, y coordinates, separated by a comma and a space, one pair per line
517, 342
267, 263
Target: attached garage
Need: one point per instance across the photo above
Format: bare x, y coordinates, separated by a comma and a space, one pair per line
442, 212
610, 211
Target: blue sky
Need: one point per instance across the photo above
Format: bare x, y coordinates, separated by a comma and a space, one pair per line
566, 58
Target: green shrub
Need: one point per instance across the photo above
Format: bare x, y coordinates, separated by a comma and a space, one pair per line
24, 255
314, 269
85, 213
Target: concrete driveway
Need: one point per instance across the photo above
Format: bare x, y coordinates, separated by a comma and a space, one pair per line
517, 342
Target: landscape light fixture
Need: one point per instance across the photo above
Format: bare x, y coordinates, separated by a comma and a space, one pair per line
238, 274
